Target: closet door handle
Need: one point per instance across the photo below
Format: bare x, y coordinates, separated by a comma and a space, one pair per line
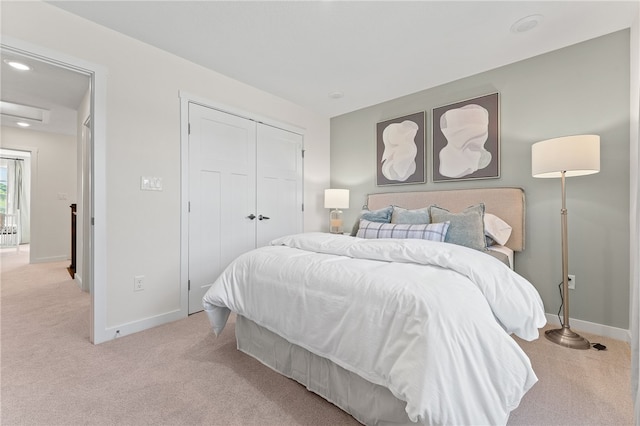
263, 217
252, 216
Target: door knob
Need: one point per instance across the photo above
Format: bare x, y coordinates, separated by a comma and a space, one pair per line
252, 216
263, 217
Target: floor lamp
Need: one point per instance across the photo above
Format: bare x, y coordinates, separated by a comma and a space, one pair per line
566, 157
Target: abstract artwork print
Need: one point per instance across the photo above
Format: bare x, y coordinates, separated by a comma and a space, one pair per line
400, 150
466, 140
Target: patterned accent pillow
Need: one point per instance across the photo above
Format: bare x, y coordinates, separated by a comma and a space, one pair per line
382, 215
466, 228
432, 231
402, 215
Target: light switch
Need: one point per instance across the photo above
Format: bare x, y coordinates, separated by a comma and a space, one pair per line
150, 183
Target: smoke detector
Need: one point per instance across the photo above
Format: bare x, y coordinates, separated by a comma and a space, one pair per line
526, 24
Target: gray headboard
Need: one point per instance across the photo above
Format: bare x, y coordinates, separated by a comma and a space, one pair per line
506, 203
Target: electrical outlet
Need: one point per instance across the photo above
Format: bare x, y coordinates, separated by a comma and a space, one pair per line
138, 283
572, 282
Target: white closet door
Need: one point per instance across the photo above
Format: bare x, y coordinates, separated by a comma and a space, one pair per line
222, 194
279, 182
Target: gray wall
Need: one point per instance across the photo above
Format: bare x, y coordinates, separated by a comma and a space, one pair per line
581, 89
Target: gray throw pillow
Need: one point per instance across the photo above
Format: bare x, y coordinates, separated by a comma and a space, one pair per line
466, 228
382, 215
406, 216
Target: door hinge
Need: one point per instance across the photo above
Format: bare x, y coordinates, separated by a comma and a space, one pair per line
303, 153
189, 128
189, 285
93, 221
302, 206
189, 207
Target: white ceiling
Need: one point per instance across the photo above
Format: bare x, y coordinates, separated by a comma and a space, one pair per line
46, 86
370, 51
304, 51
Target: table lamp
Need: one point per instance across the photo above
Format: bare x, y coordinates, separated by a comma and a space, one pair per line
336, 199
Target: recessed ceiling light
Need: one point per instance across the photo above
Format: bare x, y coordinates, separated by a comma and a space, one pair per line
336, 95
23, 124
527, 23
17, 65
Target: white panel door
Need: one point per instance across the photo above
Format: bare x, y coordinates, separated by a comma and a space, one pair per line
222, 194
279, 183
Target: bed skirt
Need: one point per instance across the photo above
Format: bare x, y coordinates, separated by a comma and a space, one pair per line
368, 403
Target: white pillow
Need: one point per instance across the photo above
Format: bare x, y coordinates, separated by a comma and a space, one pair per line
497, 229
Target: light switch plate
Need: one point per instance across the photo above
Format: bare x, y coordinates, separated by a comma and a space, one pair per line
150, 183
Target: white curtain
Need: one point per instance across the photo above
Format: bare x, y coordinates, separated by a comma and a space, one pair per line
22, 195
18, 195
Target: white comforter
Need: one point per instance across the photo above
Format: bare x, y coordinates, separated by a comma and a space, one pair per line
425, 319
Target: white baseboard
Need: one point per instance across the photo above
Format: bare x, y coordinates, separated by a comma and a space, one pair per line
49, 259
135, 326
593, 328
78, 279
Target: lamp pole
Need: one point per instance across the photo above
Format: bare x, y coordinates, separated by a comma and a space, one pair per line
564, 336
565, 252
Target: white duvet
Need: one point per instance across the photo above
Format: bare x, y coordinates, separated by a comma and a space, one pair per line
425, 319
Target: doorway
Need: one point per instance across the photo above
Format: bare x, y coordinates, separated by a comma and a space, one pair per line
91, 244
43, 106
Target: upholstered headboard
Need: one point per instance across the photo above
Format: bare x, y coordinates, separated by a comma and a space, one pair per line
506, 203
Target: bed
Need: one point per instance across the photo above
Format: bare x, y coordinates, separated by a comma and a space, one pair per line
392, 330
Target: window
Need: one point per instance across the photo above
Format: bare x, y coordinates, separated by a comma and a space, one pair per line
13, 166
3, 186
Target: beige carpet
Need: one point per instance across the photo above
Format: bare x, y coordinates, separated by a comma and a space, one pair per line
180, 374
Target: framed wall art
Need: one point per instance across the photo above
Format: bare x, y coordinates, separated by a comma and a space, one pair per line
400, 150
466, 140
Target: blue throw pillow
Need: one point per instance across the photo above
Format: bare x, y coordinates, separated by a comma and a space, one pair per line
382, 215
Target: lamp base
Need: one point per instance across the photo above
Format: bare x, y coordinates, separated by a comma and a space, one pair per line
335, 222
567, 338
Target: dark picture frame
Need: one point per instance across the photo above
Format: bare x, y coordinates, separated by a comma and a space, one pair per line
466, 139
401, 153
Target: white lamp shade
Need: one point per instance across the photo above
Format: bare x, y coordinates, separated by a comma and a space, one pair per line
336, 198
576, 155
